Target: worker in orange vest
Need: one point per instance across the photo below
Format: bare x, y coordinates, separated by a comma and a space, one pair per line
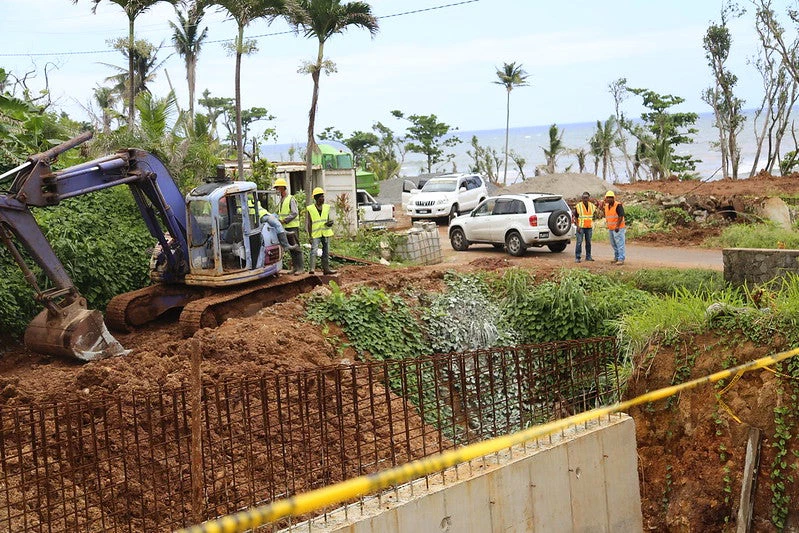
614, 218
583, 217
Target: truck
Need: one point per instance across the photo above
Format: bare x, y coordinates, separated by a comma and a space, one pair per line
213, 257
372, 213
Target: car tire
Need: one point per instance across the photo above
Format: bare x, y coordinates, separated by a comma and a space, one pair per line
458, 240
453, 213
515, 244
559, 223
557, 247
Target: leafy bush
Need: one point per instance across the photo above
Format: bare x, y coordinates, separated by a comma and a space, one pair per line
766, 235
374, 322
643, 213
577, 305
677, 216
103, 244
465, 317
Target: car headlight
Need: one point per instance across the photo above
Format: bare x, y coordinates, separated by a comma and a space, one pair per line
442, 201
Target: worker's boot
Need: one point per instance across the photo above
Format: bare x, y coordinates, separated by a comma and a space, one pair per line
284, 242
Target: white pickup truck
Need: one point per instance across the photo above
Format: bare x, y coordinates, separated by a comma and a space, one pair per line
373, 214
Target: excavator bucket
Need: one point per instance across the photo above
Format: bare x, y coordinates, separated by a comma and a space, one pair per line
74, 332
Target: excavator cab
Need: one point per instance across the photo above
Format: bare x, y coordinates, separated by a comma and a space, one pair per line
227, 242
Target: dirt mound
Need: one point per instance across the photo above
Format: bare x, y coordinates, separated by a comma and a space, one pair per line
762, 184
568, 184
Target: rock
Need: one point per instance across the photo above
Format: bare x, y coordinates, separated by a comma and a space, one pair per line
776, 210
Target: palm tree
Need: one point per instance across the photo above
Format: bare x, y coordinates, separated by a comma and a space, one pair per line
188, 40
323, 19
132, 8
106, 99
602, 143
510, 76
145, 66
555, 147
244, 12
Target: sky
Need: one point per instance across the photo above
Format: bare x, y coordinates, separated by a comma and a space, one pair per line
441, 60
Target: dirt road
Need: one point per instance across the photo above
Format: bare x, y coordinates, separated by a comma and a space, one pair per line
638, 256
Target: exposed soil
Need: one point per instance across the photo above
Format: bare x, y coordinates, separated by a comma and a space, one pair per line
682, 472
762, 184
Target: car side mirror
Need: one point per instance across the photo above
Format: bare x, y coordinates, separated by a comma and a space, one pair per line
415, 191
462, 189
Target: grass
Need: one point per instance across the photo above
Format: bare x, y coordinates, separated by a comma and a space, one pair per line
756, 236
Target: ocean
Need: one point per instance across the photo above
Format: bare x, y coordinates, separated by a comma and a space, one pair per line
528, 141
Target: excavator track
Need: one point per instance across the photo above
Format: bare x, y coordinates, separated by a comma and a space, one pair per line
130, 310
211, 311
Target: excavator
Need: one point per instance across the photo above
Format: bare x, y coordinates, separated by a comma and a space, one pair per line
214, 257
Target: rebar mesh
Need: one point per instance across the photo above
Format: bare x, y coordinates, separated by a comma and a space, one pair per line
124, 463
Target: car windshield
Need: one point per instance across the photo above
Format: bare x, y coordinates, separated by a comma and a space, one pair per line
440, 186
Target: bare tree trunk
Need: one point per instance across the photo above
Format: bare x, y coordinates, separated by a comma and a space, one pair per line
131, 75
311, 147
507, 128
239, 147
191, 77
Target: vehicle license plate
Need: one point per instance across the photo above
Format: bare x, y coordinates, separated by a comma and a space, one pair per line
543, 235
424, 211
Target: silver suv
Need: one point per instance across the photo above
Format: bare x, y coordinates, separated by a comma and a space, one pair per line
515, 221
446, 196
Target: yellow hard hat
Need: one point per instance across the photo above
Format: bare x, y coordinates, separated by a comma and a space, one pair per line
318, 190
280, 182
611, 194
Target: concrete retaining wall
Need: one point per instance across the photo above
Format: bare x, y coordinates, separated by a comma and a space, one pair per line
585, 480
755, 265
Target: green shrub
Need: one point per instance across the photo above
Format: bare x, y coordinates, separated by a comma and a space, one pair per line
465, 317
103, 244
677, 216
577, 305
643, 213
374, 322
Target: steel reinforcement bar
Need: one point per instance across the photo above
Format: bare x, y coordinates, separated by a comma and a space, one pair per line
302, 504
123, 463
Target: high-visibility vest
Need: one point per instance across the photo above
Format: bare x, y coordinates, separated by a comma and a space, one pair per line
612, 218
318, 228
585, 215
285, 209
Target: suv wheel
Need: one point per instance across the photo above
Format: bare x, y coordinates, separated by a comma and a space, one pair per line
515, 244
560, 223
557, 247
453, 212
458, 240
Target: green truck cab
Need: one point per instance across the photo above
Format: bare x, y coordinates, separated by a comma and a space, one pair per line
335, 155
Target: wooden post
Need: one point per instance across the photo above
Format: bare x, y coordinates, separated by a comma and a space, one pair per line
195, 395
748, 482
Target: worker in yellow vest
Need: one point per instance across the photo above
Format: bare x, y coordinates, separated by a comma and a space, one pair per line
289, 215
583, 217
320, 227
614, 218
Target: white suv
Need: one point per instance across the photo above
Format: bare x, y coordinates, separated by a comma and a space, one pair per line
515, 221
447, 196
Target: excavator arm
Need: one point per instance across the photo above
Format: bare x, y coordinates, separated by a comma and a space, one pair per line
67, 326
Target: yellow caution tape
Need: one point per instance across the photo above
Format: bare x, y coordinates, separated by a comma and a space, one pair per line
363, 485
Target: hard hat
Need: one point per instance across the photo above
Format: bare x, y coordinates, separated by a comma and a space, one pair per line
611, 194
318, 190
280, 182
